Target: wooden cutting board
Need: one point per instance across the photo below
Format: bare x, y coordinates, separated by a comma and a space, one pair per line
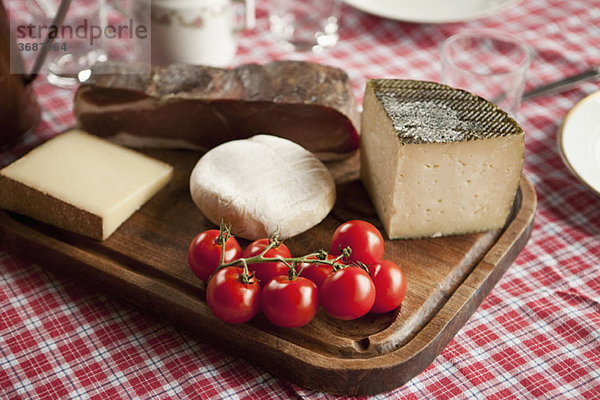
145, 262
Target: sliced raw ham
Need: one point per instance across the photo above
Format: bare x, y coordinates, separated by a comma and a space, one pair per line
198, 107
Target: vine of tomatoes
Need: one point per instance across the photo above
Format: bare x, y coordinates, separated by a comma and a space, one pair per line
350, 281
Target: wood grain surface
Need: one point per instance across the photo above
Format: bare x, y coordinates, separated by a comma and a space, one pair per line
145, 262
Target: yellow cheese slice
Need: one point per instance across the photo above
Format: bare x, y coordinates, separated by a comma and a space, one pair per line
81, 183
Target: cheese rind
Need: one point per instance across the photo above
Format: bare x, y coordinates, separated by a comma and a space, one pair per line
262, 185
436, 160
81, 183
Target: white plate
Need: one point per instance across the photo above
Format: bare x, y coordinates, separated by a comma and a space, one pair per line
579, 141
432, 11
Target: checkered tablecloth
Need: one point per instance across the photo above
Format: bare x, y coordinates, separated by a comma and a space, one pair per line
537, 335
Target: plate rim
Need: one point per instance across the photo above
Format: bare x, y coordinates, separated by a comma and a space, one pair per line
366, 6
560, 141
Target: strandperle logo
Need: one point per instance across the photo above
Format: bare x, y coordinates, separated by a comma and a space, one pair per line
83, 30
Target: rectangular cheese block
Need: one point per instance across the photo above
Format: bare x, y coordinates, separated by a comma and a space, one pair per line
436, 160
81, 183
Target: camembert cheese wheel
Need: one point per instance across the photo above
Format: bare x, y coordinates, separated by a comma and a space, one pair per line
262, 185
436, 160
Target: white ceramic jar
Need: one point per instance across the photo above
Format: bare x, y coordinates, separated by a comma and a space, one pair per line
201, 32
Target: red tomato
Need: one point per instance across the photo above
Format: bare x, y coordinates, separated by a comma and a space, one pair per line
363, 238
265, 271
315, 272
390, 285
230, 299
290, 303
204, 253
347, 293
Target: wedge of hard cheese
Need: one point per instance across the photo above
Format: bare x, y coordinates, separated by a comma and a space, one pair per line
437, 160
81, 183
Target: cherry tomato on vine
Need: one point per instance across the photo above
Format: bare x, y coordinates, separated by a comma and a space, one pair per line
390, 285
315, 272
363, 238
230, 299
290, 303
348, 293
204, 253
265, 271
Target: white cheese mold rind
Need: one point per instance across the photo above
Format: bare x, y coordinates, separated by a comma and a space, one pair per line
262, 185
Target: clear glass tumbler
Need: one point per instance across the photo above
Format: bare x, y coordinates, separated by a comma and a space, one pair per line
78, 44
305, 25
490, 64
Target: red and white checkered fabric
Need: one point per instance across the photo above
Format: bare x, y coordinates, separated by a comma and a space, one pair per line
537, 335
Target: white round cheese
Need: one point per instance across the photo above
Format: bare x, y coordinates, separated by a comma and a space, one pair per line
262, 185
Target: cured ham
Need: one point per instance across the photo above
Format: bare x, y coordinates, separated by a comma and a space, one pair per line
199, 107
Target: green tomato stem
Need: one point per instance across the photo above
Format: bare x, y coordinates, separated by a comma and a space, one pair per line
246, 276
224, 234
318, 257
290, 262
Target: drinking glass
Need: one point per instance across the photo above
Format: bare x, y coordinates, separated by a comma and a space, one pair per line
75, 48
490, 64
305, 25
